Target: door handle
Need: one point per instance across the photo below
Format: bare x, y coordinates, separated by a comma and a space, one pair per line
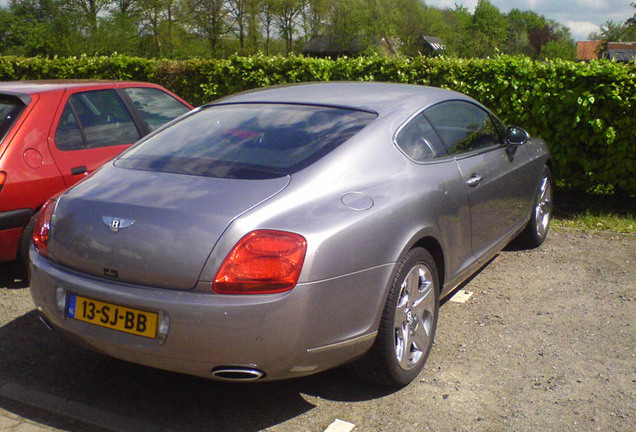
474, 180
78, 170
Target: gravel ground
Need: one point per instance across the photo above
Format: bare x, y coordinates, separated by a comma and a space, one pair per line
546, 342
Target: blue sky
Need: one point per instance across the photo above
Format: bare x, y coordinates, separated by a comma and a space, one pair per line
581, 16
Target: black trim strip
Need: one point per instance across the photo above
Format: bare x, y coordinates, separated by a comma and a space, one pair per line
15, 218
25, 98
142, 126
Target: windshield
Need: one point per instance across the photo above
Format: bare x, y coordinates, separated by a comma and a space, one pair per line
247, 141
10, 109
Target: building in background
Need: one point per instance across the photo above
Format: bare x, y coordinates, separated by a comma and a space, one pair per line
621, 51
587, 50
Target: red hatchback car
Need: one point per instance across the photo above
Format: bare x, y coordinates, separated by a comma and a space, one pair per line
54, 133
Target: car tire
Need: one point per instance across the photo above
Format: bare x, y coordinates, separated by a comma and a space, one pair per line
25, 240
537, 229
408, 324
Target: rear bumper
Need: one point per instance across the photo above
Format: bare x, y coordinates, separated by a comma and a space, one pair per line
315, 326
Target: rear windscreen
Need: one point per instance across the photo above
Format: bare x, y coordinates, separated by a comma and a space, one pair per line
247, 141
10, 109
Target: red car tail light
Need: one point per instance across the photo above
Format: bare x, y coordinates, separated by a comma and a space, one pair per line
262, 262
42, 228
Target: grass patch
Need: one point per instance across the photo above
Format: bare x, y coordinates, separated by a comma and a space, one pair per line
578, 210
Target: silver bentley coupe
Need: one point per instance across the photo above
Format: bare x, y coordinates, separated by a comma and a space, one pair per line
282, 232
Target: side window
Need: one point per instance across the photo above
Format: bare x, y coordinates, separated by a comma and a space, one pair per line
463, 126
99, 118
68, 135
10, 109
155, 106
419, 141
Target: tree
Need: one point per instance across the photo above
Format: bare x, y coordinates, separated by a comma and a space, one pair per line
346, 27
518, 41
559, 48
267, 15
629, 33
533, 35
458, 19
411, 24
287, 13
91, 10
632, 21
237, 11
315, 15
125, 6
435, 24
39, 27
613, 31
253, 29
540, 36
208, 16
159, 19
184, 28
489, 29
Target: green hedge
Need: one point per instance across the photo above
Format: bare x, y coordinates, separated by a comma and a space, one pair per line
585, 111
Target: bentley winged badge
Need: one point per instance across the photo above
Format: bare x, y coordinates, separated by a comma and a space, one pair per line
115, 223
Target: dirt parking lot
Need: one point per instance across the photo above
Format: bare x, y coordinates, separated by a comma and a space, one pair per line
547, 342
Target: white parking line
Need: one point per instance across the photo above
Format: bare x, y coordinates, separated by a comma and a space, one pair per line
461, 296
75, 410
340, 426
14, 423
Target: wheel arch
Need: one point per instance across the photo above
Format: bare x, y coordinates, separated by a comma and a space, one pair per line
435, 249
550, 164
427, 239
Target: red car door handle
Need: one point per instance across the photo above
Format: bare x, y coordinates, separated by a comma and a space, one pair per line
78, 170
474, 180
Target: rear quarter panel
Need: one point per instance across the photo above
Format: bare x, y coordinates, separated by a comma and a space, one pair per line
352, 253
30, 184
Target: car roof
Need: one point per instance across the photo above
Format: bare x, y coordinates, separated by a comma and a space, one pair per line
377, 97
32, 87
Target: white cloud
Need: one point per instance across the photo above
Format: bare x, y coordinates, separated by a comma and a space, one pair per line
450, 4
581, 29
594, 4
582, 17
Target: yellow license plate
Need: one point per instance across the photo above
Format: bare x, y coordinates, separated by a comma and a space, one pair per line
125, 319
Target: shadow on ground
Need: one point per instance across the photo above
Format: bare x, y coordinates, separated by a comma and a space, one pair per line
47, 379
42, 372
12, 275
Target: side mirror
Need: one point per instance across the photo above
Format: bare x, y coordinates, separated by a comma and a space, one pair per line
517, 136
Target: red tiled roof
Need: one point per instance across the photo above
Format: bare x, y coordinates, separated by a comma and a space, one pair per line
621, 45
587, 50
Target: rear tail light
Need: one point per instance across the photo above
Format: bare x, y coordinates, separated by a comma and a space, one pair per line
42, 228
262, 262
3, 179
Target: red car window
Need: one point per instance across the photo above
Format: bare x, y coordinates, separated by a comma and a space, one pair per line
155, 106
10, 109
95, 119
68, 135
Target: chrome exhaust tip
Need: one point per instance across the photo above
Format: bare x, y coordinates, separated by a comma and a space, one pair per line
234, 373
46, 323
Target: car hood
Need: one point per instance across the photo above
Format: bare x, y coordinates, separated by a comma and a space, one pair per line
166, 224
